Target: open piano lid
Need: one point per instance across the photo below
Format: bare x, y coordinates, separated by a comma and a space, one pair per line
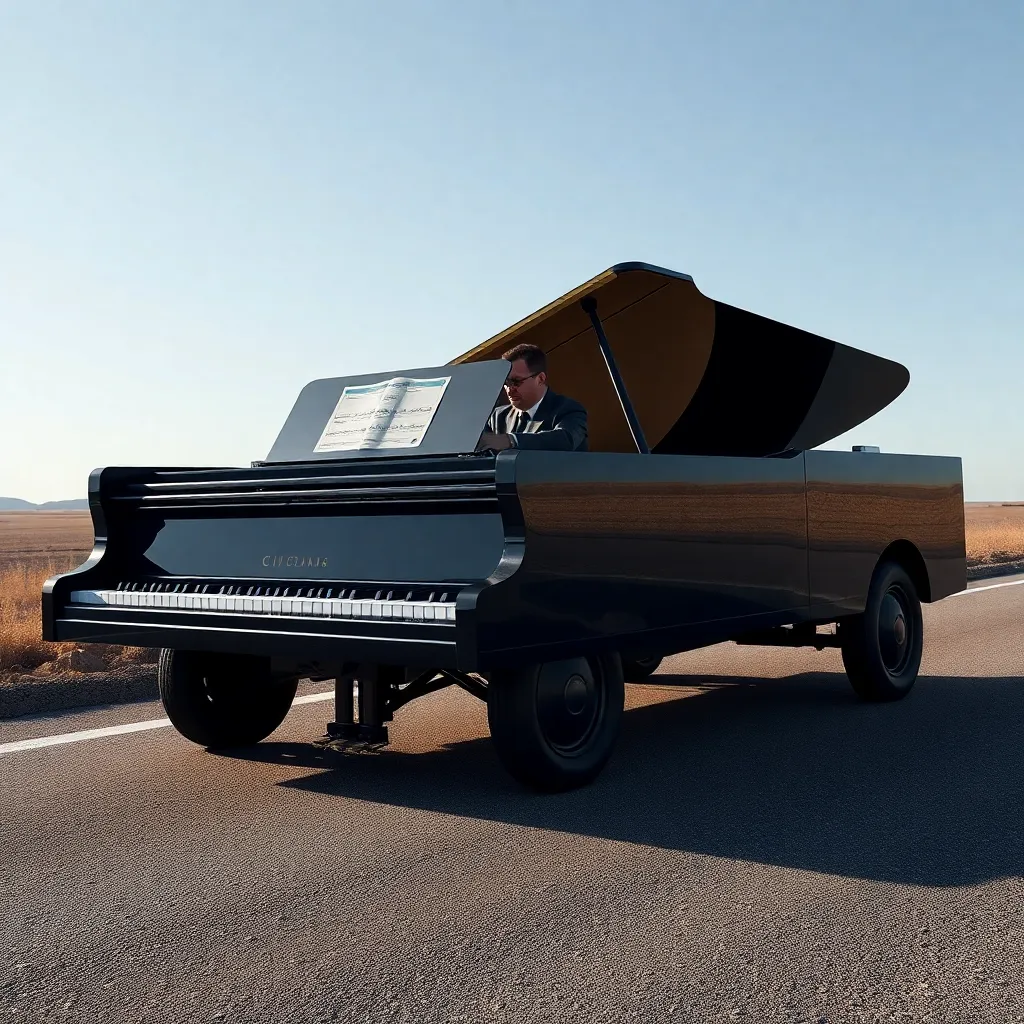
704, 378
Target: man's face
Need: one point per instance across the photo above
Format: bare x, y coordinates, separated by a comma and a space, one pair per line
523, 388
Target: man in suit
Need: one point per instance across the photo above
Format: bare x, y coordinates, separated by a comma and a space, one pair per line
536, 416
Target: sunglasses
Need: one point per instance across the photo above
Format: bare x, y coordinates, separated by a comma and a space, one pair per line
514, 382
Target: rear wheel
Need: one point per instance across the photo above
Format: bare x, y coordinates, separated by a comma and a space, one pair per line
882, 647
555, 725
222, 700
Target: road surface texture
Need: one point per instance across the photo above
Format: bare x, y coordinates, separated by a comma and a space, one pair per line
761, 848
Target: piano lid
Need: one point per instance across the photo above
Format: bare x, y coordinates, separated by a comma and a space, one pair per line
704, 377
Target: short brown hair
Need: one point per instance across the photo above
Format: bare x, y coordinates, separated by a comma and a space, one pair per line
536, 359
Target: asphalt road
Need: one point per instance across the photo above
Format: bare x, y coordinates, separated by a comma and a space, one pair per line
761, 848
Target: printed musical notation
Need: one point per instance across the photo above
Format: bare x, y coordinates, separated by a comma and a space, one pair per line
392, 413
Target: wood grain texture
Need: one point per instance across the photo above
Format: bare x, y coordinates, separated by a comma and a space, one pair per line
676, 510
866, 517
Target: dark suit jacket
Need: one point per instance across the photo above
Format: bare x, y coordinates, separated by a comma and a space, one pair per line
560, 424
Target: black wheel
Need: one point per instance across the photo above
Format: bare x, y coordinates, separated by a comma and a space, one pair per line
882, 646
554, 725
634, 670
222, 700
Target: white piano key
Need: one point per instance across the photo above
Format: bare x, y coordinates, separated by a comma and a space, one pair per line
408, 611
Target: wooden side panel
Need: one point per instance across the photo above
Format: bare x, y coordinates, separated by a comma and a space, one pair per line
858, 504
634, 545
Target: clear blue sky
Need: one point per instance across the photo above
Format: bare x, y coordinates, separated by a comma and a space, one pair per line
205, 205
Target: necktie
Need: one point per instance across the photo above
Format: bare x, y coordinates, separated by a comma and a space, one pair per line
524, 418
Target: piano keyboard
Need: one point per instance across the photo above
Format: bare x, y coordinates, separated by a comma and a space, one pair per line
383, 608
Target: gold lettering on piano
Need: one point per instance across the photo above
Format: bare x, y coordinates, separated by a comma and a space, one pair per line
295, 561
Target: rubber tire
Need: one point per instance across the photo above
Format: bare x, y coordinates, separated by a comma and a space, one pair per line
522, 747
871, 679
222, 700
635, 670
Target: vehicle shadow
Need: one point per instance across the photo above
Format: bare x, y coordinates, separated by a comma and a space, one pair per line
793, 772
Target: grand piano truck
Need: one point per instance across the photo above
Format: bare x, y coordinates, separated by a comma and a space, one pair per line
704, 510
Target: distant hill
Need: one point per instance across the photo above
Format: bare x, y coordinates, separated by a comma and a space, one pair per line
20, 505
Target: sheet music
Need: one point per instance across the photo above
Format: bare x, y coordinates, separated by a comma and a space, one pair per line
392, 413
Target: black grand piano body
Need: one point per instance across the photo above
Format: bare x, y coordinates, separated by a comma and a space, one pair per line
446, 564
527, 556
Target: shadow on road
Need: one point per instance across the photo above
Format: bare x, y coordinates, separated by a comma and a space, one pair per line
793, 772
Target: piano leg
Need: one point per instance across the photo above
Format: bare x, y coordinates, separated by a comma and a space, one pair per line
343, 727
376, 683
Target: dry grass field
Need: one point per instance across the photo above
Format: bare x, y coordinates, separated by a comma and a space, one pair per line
995, 532
35, 545
33, 539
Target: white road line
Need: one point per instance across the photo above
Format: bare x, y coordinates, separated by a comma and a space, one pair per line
310, 698
315, 698
118, 730
988, 586
85, 734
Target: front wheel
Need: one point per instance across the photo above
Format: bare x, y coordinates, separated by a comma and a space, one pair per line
555, 725
882, 646
222, 700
